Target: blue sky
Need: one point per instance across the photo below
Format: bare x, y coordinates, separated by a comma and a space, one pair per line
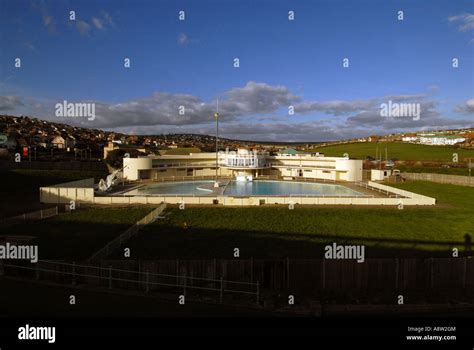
282, 63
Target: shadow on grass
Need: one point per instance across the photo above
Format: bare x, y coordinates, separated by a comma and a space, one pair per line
66, 241
19, 189
26, 299
79, 236
170, 242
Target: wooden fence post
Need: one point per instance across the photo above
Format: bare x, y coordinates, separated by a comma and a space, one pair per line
73, 282
177, 272
464, 275
110, 277
184, 285
397, 271
251, 269
323, 273
222, 290
147, 288
431, 272
258, 292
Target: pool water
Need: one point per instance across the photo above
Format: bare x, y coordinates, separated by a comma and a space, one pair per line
255, 188
285, 188
173, 188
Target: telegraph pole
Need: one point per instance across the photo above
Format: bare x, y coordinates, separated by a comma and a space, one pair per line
216, 115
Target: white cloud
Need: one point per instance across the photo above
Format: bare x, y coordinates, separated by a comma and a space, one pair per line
9, 103
467, 107
255, 111
83, 27
108, 20
48, 22
29, 46
465, 21
183, 39
97, 23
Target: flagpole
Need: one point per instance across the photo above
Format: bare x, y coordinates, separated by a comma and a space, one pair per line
216, 115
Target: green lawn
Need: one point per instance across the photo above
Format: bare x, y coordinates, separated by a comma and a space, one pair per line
399, 150
275, 232
77, 235
436, 170
182, 151
19, 188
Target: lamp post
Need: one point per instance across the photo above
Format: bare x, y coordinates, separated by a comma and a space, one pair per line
216, 115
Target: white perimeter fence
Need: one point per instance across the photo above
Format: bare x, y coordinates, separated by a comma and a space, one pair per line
132, 231
95, 275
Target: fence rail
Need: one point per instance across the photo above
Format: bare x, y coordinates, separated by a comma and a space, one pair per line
248, 277
99, 276
295, 178
375, 189
35, 215
132, 231
441, 178
227, 177
188, 178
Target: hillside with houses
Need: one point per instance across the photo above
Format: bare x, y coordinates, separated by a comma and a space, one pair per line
33, 137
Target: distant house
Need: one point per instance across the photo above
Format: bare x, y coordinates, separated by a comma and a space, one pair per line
39, 141
9, 143
70, 142
21, 142
380, 175
80, 145
410, 138
441, 140
112, 146
57, 142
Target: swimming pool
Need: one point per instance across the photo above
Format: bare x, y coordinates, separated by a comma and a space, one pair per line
286, 188
173, 188
255, 188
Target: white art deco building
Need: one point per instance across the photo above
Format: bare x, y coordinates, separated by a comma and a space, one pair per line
244, 163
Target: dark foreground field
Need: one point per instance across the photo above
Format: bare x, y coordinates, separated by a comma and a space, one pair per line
19, 188
78, 234
27, 299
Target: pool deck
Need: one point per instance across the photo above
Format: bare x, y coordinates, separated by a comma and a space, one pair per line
363, 190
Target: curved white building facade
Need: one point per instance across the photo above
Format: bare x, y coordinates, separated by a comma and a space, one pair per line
244, 163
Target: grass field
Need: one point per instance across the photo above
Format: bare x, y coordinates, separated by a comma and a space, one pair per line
276, 232
182, 151
438, 170
398, 150
19, 188
77, 235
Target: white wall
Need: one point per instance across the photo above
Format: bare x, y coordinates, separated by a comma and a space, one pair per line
351, 167
329, 168
133, 165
